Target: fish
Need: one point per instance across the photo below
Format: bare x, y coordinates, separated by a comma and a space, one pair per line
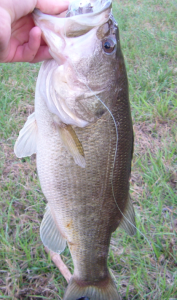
82, 134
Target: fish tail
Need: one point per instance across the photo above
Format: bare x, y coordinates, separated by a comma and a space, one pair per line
104, 290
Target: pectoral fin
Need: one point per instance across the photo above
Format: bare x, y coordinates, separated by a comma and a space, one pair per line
72, 144
50, 234
27, 140
128, 220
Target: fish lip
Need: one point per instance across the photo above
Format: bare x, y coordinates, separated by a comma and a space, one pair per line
108, 4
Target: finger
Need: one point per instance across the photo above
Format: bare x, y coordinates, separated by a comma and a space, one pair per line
42, 54
27, 51
36, 43
5, 32
52, 6
34, 39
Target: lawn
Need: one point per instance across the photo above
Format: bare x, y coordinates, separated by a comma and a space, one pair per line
144, 266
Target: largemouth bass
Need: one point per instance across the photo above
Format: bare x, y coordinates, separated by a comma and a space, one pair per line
82, 133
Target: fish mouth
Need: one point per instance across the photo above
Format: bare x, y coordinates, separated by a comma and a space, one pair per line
83, 14
87, 6
80, 20
81, 17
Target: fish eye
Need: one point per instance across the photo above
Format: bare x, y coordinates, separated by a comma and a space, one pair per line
108, 45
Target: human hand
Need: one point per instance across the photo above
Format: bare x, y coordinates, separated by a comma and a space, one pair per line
20, 39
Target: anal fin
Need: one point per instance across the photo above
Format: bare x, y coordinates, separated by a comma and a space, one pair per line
26, 142
50, 234
128, 220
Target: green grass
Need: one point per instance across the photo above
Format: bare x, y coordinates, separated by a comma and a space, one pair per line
144, 266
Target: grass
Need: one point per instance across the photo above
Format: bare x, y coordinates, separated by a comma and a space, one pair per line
144, 266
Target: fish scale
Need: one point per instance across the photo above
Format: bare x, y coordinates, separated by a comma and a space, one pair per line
88, 184
82, 133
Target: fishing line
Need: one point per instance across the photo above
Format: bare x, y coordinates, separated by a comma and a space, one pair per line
116, 149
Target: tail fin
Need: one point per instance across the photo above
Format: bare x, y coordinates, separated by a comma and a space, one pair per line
77, 290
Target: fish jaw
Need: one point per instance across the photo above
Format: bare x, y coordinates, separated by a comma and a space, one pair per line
78, 21
55, 28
